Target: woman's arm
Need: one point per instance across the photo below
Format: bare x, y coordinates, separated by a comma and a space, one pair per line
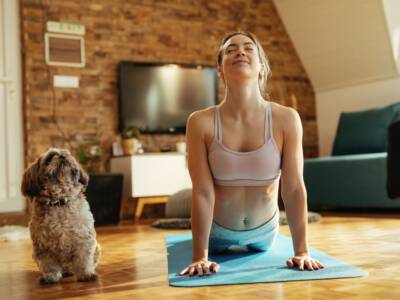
293, 190
292, 184
202, 191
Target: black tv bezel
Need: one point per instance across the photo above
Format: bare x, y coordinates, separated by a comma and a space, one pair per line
177, 130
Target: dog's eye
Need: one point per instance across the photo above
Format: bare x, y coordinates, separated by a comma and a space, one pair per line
75, 174
52, 176
49, 158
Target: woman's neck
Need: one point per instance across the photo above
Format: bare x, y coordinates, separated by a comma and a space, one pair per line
243, 99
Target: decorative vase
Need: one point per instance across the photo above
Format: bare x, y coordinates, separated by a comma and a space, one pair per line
130, 146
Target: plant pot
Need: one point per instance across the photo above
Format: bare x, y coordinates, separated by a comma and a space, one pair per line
130, 146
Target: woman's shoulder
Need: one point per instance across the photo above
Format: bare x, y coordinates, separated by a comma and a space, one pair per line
283, 113
202, 119
286, 118
203, 113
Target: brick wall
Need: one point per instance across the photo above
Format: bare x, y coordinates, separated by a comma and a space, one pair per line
165, 31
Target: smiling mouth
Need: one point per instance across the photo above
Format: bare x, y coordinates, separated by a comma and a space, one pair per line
240, 61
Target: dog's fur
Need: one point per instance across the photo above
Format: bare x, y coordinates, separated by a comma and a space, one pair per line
61, 225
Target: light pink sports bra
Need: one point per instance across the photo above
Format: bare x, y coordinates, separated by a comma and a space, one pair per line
259, 167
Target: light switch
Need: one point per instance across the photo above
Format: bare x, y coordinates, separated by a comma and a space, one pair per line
65, 81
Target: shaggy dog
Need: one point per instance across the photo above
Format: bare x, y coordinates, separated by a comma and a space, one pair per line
61, 225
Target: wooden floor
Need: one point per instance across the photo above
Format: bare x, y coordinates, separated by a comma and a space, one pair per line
134, 266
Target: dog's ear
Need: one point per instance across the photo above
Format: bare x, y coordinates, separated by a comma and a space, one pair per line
30, 186
83, 177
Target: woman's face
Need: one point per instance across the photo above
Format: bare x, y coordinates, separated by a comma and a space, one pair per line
240, 59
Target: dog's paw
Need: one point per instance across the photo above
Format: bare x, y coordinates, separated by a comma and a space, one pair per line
49, 279
87, 277
67, 274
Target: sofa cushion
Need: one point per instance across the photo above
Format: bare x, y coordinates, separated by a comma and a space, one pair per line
364, 131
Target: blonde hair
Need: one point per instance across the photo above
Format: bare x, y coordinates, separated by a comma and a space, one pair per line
263, 77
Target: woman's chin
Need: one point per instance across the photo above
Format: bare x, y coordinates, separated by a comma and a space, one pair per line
240, 75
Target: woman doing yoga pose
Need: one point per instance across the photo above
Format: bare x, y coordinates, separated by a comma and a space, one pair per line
239, 151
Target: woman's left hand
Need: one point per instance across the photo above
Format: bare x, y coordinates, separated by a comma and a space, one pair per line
304, 260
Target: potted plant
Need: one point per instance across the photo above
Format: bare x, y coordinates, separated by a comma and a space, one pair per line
90, 154
104, 190
130, 140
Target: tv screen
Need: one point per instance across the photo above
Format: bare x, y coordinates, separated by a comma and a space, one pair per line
158, 98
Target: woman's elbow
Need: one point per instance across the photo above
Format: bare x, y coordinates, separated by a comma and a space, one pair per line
294, 192
203, 195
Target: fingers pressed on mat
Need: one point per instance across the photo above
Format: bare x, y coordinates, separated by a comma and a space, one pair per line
309, 265
301, 264
290, 263
199, 270
184, 271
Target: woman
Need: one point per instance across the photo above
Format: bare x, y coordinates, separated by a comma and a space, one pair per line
236, 159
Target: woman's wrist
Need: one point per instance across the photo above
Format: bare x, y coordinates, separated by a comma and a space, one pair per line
199, 259
301, 247
301, 253
201, 255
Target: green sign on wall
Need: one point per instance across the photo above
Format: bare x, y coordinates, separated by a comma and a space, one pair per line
69, 28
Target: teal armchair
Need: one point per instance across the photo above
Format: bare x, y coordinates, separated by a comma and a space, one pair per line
355, 176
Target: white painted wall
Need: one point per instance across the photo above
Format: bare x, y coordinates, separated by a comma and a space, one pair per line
392, 12
351, 52
360, 97
341, 42
11, 138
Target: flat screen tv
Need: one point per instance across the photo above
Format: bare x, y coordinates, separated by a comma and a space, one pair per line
158, 98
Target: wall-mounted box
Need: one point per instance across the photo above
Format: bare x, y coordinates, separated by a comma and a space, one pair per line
65, 81
64, 50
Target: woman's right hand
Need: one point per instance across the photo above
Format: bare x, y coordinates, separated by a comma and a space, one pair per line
200, 267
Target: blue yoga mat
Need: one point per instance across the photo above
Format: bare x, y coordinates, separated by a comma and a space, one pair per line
251, 267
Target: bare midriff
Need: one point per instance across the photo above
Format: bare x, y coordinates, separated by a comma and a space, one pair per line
246, 207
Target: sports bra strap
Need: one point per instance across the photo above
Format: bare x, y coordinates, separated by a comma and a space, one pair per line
217, 125
265, 123
269, 110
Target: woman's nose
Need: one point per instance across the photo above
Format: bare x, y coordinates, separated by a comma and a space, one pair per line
241, 52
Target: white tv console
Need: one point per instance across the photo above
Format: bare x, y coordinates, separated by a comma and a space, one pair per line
152, 177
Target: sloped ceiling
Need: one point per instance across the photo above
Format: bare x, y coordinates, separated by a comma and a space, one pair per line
344, 42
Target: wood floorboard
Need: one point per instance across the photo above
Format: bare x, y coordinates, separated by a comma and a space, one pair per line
134, 265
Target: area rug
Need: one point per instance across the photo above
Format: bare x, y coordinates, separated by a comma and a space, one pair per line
184, 223
13, 233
